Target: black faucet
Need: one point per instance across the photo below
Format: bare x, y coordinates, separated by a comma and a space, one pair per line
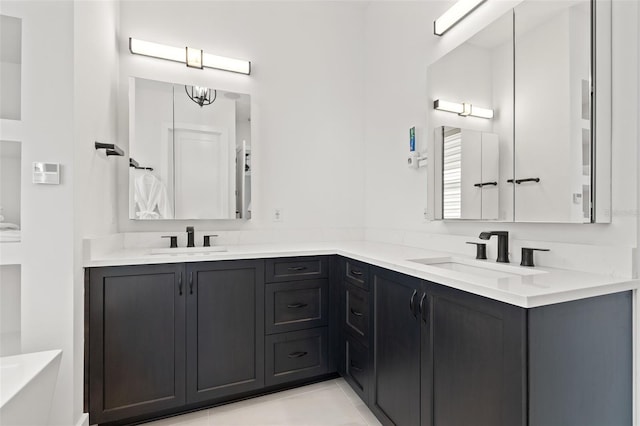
190, 241
503, 244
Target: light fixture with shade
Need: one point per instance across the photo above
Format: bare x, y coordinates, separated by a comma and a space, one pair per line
193, 58
462, 109
455, 14
201, 95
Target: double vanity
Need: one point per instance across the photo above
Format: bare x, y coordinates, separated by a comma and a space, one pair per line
423, 337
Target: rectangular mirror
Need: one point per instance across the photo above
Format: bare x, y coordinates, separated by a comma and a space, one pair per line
190, 152
529, 79
478, 76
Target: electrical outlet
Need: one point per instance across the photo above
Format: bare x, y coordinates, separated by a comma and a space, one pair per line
277, 215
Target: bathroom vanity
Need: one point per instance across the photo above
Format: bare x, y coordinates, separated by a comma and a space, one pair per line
420, 342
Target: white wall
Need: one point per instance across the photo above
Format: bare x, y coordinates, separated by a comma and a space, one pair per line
95, 62
10, 310
10, 166
306, 90
47, 314
399, 47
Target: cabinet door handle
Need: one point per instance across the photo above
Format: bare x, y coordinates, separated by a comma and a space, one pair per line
356, 313
519, 181
412, 303
355, 368
191, 282
480, 185
296, 268
297, 354
423, 308
180, 284
356, 272
297, 305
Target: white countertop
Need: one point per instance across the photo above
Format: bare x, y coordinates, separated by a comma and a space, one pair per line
538, 286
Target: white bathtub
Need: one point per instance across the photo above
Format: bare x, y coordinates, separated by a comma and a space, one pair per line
27, 382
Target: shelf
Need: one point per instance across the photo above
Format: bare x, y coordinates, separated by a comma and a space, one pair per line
11, 253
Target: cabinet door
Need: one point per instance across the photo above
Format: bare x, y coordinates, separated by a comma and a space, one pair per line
136, 340
477, 360
396, 359
225, 328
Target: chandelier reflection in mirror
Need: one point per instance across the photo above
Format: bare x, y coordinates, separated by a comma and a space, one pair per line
201, 95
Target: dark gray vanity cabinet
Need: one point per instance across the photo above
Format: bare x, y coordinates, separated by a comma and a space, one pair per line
298, 339
397, 353
225, 323
474, 370
136, 356
445, 357
355, 318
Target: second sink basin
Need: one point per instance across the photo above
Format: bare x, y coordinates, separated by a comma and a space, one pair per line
477, 268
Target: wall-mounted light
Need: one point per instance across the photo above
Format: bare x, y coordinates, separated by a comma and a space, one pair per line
455, 14
193, 58
463, 109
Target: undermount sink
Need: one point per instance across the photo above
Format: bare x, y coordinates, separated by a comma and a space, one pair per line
188, 250
477, 268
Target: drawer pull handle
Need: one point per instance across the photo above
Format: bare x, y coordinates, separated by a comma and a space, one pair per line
297, 354
356, 273
297, 305
356, 313
356, 368
297, 268
412, 303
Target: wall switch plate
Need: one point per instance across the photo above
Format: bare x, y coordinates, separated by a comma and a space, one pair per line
277, 215
46, 173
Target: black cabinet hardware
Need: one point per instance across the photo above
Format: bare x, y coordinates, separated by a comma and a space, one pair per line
519, 181
297, 305
296, 268
297, 354
423, 308
174, 240
356, 313
480, 185
355, 368
180, 284
111, 149
191, 282
356, 273
412, 303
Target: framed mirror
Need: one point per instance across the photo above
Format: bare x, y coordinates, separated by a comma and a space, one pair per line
530, 78
190, 152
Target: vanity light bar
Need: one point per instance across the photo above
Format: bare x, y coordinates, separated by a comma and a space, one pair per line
193, 58
455, 14
463, 109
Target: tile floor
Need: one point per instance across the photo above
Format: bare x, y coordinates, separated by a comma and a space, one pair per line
329, 403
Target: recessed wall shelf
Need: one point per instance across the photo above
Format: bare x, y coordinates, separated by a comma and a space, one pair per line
110, 148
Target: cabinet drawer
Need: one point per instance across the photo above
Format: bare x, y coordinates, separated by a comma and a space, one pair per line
296, 355
356, 273
296, 305
296, 268
356, 314
356, 359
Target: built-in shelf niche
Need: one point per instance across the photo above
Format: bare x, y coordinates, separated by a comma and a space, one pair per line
10, 68
10, 322
10, 188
